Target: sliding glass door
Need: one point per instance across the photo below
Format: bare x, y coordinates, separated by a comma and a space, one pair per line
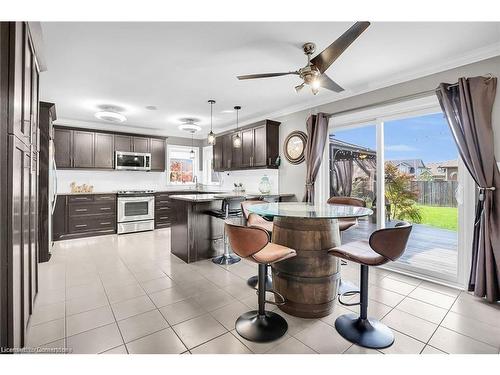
406, 167
421, 185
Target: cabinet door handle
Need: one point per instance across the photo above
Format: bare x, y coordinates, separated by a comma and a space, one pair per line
163, 217
80, 198
106, 223
163, 208
80, 225
105, 208
81, 210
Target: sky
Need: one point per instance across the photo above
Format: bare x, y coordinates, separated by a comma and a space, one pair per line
425, 137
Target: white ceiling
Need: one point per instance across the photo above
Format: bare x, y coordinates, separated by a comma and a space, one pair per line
179, 66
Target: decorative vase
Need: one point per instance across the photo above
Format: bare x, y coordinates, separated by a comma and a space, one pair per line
264, 185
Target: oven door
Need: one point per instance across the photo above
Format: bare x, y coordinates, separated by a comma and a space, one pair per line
135, 208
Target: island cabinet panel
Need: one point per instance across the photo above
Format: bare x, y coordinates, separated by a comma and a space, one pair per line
83, 149
123, 143
103, 151
140, 144
84, 215
62, 145
157, 154
259, 148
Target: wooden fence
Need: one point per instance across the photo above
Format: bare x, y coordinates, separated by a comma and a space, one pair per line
436, 193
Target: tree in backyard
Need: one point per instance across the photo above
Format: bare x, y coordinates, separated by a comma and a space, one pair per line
400, 194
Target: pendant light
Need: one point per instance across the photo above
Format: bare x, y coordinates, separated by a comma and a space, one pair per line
211, 135
191, 153
237, 138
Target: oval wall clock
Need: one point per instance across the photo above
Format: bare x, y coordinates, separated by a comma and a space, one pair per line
295, 146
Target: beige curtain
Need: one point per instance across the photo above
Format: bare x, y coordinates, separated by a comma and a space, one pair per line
468, 108
317, 131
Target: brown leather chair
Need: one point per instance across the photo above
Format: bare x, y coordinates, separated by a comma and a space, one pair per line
254, 220
384, 245
253, 243
345, 224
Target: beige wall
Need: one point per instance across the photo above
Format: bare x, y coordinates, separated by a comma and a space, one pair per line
292, 177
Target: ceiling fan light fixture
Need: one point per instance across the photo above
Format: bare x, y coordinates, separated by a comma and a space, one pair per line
315, 84
314, 91
110, 116
189, 125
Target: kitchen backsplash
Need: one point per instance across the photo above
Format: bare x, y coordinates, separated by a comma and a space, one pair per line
109, 181
251, 179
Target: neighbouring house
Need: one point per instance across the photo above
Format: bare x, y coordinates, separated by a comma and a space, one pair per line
414, 167
443, 170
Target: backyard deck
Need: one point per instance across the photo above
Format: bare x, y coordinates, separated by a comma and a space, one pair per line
429, 248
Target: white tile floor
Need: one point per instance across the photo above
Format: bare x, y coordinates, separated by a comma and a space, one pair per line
128, 294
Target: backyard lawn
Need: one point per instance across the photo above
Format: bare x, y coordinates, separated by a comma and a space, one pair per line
439, 217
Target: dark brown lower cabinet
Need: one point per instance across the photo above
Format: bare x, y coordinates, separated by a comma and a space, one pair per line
165, 212
84, 215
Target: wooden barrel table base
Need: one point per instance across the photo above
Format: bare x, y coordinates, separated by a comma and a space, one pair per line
309, 281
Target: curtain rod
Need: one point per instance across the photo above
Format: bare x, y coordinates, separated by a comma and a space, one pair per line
418, 95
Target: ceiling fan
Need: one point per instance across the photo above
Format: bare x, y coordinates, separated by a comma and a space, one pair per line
313, 74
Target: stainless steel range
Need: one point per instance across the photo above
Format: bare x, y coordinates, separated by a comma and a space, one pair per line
135, 211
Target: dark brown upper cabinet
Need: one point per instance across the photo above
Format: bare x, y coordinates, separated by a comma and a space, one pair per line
217, 155
236, 160
83, 149
89, 149
63, 147
259, 148
157, 154
247, 148
140, 144
123, 143
104, 150
227, 151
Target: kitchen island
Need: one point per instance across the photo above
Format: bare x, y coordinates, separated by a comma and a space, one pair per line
194, 232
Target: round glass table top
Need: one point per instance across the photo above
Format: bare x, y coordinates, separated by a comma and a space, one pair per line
308, 210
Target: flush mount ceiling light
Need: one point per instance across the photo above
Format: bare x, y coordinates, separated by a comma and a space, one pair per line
110, 116
237, 138
188, 124
211, 135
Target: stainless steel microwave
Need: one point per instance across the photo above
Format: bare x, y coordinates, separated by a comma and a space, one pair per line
133, 161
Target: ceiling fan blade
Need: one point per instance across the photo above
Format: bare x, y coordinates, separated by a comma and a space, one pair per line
265, 75
334, 50
327, 83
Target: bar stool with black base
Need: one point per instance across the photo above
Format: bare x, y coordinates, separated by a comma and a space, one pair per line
345, 224
383, 246
253, 243
227, 211
254, 220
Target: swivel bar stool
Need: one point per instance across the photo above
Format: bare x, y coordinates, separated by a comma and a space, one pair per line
253, 243
383, 246
227, 211
345, 224
254, 220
